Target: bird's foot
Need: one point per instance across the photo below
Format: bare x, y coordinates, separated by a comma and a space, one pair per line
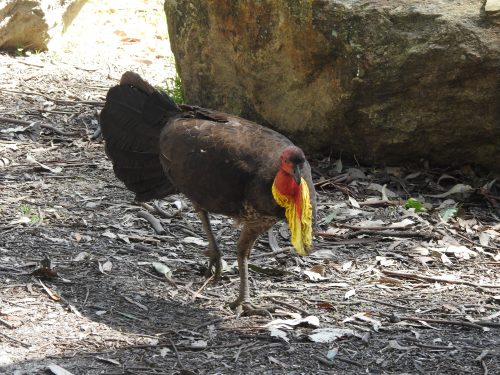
246, 308
214, 268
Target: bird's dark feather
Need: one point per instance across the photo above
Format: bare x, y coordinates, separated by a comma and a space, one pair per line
131, 123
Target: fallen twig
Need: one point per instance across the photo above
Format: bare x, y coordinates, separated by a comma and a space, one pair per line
164, 214
60, 132
15, 121
176, 353
15, 340
155, 223
54, 296
335, 237
185, 230
197, 293
392, 233
487, 323
205, 324
58, 101
385, 303
290, 306
482, 287
327, 362
44, 126
167, 279
382, 202
341, 178
471, 241
485, 369
374, 228
443, 321
6, 323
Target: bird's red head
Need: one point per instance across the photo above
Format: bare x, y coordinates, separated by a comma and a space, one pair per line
291, 160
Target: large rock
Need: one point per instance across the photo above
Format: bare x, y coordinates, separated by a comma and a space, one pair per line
33, 24
386, 81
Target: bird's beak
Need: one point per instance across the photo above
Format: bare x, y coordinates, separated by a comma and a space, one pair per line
296, 174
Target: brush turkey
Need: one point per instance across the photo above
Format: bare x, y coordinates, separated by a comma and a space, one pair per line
224, 164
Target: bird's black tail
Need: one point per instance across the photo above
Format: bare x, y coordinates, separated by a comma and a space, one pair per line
131, 122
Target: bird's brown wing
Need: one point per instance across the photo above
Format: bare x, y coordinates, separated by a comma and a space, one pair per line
225, 165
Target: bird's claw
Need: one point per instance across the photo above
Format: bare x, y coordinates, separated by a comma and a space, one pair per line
215, 262
249, 309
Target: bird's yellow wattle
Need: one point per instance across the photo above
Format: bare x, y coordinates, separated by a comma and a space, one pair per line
300, 227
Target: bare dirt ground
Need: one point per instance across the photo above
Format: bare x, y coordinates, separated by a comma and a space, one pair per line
387, 291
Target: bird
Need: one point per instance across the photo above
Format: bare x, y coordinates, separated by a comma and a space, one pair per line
222, 163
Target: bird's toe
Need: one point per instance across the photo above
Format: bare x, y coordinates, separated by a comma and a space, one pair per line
249, 309
214, 269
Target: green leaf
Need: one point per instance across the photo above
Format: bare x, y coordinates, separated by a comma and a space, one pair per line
448, 213
414, 203
327, 220
174, 89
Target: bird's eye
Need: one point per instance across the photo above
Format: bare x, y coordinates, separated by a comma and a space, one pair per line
287, 161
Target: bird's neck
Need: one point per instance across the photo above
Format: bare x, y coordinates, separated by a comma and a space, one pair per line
286, 185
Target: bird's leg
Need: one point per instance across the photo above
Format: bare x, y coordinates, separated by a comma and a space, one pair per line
245, 243
213, 251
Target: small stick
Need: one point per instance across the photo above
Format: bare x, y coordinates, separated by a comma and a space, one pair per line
59, 101
431, 320
382, 203
350, 241
147, 207
155, 223
485, 369
15, 121
60, 132
442, 321
197, 293
167, 279
45, 126
15, 340
356, 227
138, 246
488, 323
481, 287
164, 214
205, 324
385, 303
472, 242
185, 230
392, 233
434, 347
341, 178
52, 295
6, 323
237, 356
176, 353
86, 296
290, 306
31, 64
327, 362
